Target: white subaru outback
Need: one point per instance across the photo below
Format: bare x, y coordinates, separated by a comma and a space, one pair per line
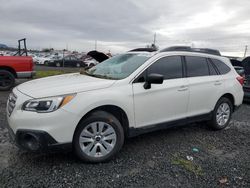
127, 95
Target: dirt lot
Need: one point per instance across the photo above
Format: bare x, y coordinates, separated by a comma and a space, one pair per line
159, 159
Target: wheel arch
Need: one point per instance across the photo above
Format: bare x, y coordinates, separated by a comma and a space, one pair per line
230, 97
10, 69
116, 111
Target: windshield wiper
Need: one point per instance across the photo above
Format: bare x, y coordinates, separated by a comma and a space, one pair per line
100, 76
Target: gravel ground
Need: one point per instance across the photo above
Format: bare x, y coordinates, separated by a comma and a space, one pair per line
158, 159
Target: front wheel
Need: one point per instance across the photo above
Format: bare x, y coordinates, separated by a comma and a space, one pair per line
98, 138
222, 114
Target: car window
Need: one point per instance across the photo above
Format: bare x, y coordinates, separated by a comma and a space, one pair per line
73, 58
222, 67
67, 58
118, 67
170, 67
212, 70
196, 66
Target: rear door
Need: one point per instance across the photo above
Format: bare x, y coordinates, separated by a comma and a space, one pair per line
162, 102
205, 85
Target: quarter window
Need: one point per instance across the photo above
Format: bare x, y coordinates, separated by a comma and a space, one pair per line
170, 67
222, 67
212, 70
196, 66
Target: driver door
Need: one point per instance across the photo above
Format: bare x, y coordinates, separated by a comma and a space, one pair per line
162, 102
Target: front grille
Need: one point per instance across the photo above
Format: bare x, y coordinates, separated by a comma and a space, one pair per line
11, 103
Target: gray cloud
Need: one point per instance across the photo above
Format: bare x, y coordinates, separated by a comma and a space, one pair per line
122, 25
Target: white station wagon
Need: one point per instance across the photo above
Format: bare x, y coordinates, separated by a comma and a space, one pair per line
124, 96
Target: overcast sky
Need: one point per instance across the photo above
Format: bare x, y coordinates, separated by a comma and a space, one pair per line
120, 25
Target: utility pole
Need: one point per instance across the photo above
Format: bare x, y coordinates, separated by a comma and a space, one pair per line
245, 53
95, 44
154, 39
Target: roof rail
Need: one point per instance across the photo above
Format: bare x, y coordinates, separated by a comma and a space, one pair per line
143, 50
189, 49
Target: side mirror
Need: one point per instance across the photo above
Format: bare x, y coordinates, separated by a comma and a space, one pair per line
153, 79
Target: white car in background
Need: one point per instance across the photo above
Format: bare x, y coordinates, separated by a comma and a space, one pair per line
124, 96
45, 60
90, 62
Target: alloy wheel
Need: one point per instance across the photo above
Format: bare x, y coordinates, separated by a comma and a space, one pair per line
223, 114
97, 139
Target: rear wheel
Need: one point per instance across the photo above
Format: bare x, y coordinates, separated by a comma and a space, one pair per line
222, 114
98, 138
7, 80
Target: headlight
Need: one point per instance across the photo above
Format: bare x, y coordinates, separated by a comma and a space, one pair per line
44, 105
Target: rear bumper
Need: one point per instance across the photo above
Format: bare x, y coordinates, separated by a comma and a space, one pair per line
27, 74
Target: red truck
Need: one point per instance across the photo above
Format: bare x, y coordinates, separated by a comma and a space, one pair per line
12, 67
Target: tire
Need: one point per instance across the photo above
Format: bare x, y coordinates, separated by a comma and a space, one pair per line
221, 118
96, 148
7, 80
58, 65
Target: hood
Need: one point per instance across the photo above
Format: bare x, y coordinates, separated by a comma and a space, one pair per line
63, 84
98, 56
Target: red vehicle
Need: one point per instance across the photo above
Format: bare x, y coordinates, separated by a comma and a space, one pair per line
12, 67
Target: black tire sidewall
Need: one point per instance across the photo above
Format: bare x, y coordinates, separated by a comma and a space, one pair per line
213, 122
12, 80
105, 117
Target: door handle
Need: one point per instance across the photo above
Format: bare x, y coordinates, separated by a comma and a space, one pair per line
183, 88
217, 83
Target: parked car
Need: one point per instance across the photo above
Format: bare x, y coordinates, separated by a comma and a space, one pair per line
12, 67
243, 69
124, 96
240, 70
90, 62
98, 56
43, 60
68, 61
246, 87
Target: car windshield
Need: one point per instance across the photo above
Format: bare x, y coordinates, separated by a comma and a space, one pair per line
118, 67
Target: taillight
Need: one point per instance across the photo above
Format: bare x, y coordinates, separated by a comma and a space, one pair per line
241, 80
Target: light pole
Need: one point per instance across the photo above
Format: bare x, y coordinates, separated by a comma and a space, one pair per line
245, 53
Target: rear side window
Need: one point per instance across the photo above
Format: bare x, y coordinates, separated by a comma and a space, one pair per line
222, 67
196, 66
170, 67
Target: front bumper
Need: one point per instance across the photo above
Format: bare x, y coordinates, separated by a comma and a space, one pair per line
28, 74
55, 129
34, 140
